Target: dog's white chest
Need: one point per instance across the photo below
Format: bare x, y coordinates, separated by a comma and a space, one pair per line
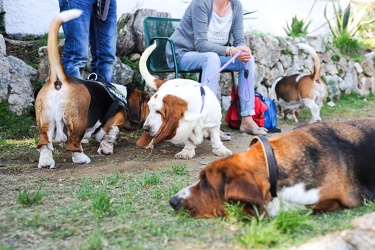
291, 198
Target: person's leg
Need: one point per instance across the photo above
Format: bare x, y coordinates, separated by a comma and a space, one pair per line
76, 33
247, 95
209, 62
103, 37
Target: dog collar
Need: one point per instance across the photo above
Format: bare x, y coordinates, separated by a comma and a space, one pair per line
270, 162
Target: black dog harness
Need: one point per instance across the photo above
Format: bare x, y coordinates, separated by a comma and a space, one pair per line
119, 100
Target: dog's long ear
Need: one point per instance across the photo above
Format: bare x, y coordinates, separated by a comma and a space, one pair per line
173, 110
138, 108
144, 140
243, 188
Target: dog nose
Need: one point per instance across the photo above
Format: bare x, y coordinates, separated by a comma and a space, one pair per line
175, 203
146, 128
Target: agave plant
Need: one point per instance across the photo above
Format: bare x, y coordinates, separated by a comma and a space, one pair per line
345, 22
298, 28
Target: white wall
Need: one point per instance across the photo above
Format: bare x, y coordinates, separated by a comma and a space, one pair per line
32, 17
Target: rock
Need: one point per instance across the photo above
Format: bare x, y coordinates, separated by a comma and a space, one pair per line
362, 236
3, 48
15, 84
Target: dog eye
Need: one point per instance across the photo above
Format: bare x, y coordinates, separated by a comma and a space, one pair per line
205, 184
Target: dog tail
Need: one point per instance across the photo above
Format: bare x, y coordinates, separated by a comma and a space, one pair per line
56, 68
314, 55
151, 81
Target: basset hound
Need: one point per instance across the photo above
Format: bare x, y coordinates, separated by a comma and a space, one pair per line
181, 112
295, 92
323, 166
69, 109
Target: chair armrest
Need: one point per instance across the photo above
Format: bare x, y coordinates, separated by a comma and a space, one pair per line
170, 41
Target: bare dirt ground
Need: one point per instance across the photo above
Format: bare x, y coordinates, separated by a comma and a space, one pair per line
127, 157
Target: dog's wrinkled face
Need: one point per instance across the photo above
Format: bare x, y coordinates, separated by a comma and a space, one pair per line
155, 117
221, 182
165, 113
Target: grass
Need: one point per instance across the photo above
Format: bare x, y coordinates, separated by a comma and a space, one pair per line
130, 209
129, 216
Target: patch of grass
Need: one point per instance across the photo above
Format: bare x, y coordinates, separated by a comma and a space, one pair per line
150, 178
347, 45
13, 126
28, 199
179, 169
100, 204
94, 242
292, 221
259, 234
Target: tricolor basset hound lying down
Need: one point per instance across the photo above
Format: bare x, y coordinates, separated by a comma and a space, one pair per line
324, 166
79, 108
295, 92
181, 112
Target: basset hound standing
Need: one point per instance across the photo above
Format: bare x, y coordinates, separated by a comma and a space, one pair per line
324, 166
295, 92
181, 112
69, 109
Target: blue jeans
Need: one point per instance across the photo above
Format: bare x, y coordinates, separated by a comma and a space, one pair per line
87, 30
211, 62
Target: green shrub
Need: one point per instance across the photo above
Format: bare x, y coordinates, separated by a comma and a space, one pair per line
298, 28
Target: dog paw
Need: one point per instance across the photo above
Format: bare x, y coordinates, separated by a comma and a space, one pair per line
46, 158
106, 147
222, 152
80, 158
185, 154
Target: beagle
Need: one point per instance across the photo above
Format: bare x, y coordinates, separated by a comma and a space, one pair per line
297, 91
69, 109
323, 166
182, 112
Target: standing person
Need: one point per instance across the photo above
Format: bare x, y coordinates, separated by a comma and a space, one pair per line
97, 27
202, 42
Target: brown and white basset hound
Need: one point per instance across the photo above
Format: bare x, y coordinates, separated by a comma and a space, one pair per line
325, 166
295, 92
69, 109
181, 112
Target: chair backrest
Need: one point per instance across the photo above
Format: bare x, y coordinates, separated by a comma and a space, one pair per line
159, 28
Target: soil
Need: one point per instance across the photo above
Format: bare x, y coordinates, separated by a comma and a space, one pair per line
127, 157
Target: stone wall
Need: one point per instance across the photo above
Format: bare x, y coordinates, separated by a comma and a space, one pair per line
275, 57
279, 56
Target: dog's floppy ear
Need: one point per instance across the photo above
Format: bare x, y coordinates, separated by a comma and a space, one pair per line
138, 108
243, 188
173, 110
144, 140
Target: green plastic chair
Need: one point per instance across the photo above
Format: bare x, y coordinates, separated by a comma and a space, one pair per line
160, 29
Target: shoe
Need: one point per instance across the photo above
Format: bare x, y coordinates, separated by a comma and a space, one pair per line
225, 136
257, 131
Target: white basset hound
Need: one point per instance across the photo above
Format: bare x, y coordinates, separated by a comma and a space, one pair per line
181, 112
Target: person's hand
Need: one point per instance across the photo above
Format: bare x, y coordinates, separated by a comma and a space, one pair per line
245, 55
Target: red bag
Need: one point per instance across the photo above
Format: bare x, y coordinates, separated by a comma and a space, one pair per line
234, 120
